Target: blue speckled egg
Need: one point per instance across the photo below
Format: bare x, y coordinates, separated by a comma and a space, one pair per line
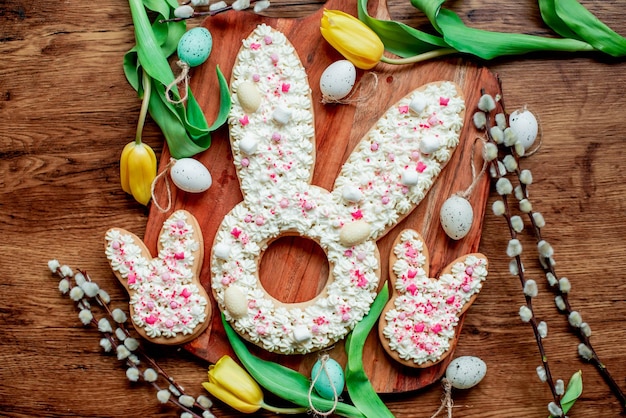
195, 46
330, 377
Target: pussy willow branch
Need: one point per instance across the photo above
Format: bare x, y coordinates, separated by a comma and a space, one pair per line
548, 267
520, 272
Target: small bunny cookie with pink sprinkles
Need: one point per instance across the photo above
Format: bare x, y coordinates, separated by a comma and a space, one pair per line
168, 305
417, 326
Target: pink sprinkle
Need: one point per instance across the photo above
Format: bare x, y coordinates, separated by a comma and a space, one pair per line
412, 289
308, 205
315, 329
151, 319
404, 109
284, 203
276, 137
235, 232
436, 328
432, 120
347, 253
391, 157
169, 323
179, 255
225, 281
252, 304
267, 40
259, 220
255, 46
185, 293
385, 200
357, 214
443, 101
374, 146
244, 121
150, 305
466, 288
450, 300
469, 270
415, 155
256, 78
115, 245
132, 278
285, 87
180, 224
361, 256
345, 317
405, 190
418, 327
411, 273
402, 316
165, 276
421, 167
245, 162
411, 253
274, 58
248, 218
261, 330
173, 304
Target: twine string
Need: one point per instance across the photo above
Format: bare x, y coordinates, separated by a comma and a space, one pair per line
446, 399
475, 176
183, 76
163, 174
323, 359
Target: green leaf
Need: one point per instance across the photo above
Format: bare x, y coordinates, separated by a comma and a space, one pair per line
283, 381
590, 28
399, 38
359, 386
573, 391
550, 18
487, 44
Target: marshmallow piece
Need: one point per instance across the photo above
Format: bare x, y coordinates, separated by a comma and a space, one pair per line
249, 96
301, 333
410, 177
236, 302
354, 233
248, 145
222, 251
282, 115
352, 193
417, 105
429, 144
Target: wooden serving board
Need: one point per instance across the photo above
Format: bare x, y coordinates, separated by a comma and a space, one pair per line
295, 269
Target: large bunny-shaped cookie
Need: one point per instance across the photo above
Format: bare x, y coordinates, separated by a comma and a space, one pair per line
417, 325
273, 143
168, 305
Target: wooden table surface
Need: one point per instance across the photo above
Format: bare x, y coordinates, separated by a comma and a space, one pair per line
66, 111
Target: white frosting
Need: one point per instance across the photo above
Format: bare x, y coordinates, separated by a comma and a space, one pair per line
279, 199
165, 301
421, 325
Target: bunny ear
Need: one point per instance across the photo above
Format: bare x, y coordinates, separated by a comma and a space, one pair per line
167, 302
394, 165
417, 326
271, 121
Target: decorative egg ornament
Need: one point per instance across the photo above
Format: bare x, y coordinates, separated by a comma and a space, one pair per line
194, 47
191, 175
456, 217
465, 372
328, 378
337, 80
524, 125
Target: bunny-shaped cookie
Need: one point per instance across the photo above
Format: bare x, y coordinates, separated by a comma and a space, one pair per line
273, 143
168, 305
418, 323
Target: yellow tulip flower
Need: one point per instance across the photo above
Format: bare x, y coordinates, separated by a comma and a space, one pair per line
138, 166
352, 38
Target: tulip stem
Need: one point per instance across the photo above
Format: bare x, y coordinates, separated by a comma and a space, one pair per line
147, 89
283, 410
419, 58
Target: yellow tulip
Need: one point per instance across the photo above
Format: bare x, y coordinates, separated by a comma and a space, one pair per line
231, 384
138, 166
352, 38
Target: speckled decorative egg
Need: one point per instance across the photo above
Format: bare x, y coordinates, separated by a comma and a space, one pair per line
195, 46
525, 126
337, 80
456, 217
466, 371
191, 175
324, 385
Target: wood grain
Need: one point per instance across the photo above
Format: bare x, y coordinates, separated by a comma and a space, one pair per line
66, 112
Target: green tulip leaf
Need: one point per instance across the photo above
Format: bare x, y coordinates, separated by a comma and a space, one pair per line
359, 386
573, 391
551, 18
398, 38
283, 381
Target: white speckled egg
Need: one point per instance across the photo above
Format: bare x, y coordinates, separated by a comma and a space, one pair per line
337, 80
191, 175
466, 371
525, 126
456, 217
195, 46
329, 377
